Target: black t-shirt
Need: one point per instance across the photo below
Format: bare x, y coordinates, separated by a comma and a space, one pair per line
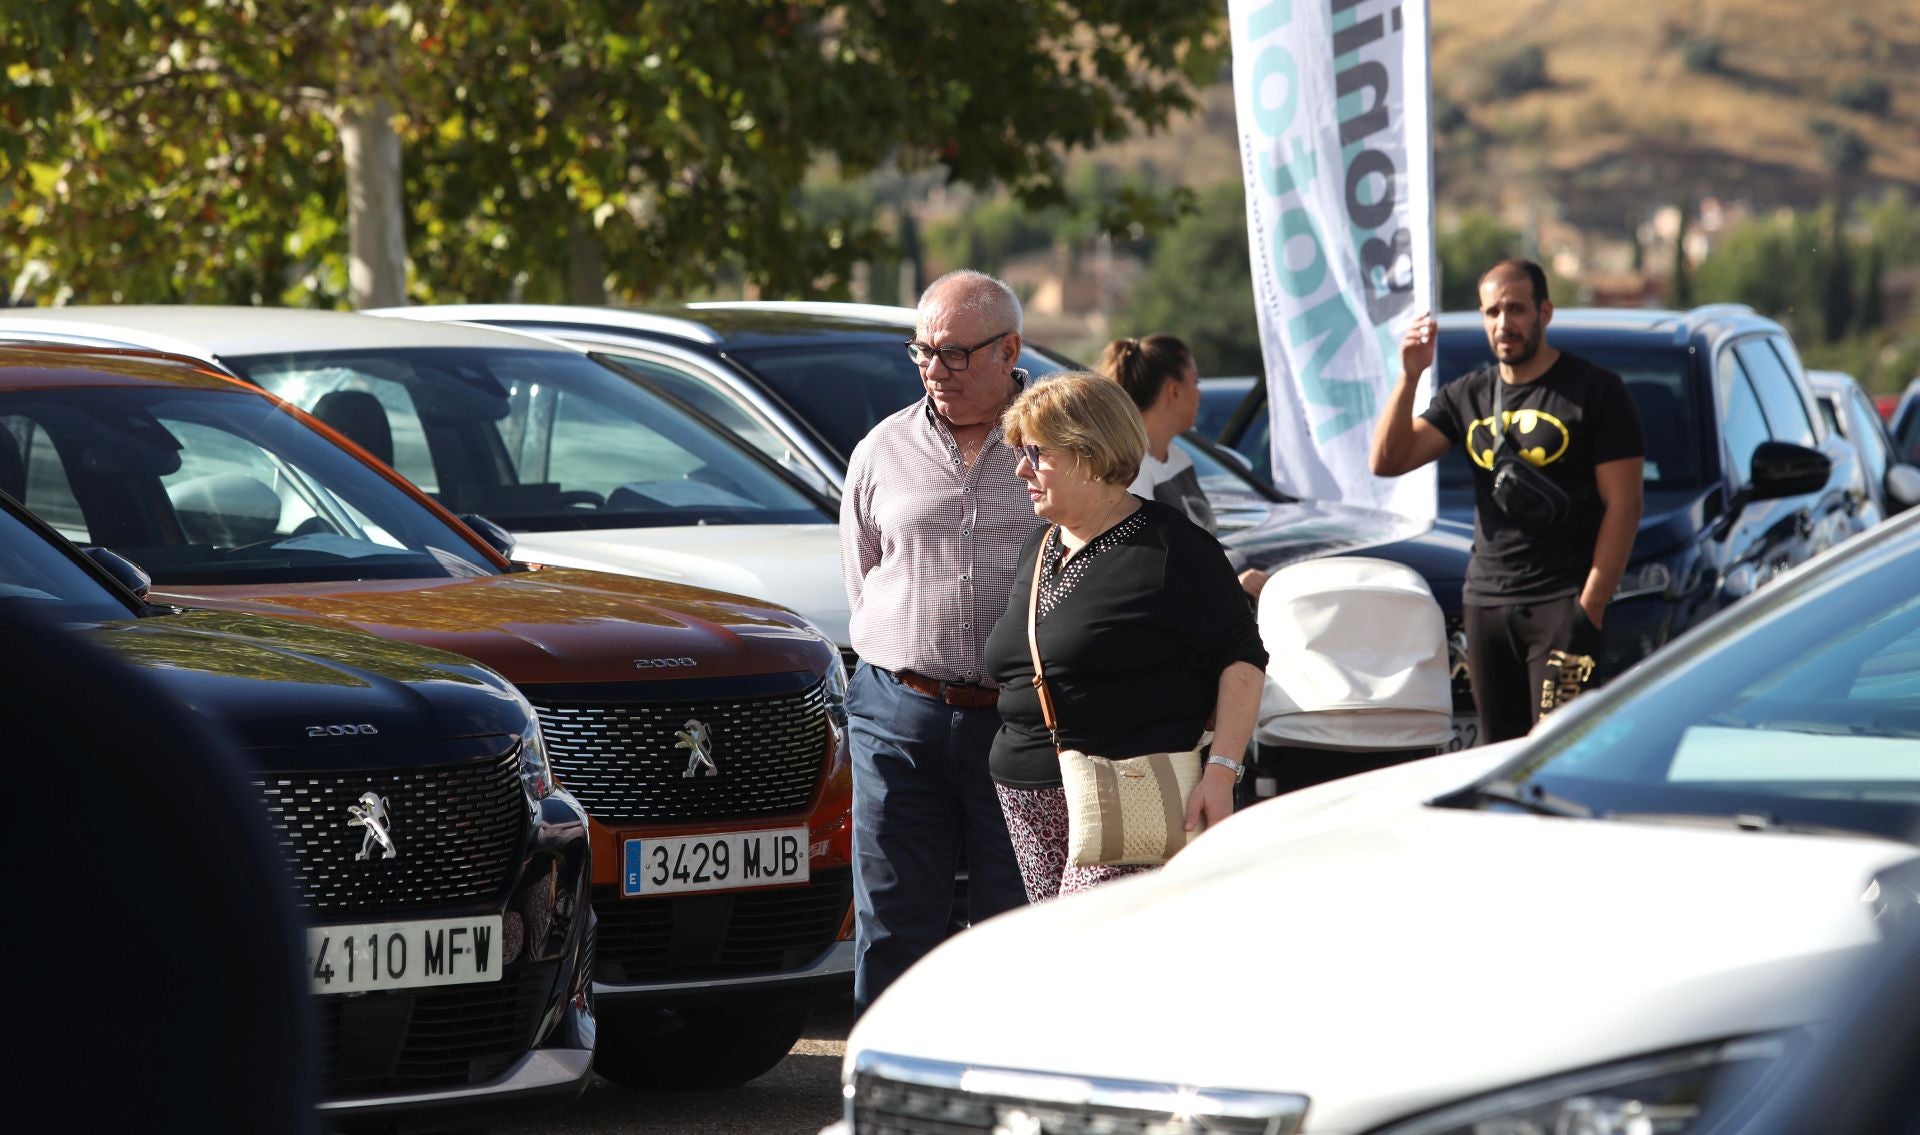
1133, 651
1570, 419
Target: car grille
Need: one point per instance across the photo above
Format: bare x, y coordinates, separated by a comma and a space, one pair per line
884, 1104
457, 830
689, 937
628, 761
413, 1039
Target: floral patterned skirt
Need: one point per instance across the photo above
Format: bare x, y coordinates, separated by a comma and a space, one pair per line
1037, 821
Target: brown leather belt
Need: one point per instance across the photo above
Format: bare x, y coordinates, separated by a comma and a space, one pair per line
952, 693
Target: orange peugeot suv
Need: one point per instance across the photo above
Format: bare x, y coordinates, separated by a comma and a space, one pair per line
703, 733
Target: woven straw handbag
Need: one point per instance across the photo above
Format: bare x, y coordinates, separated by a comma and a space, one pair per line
1131, 810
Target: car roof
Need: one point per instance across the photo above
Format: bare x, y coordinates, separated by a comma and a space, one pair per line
721, 324
213, 331
1676, 327
63, 364
1831, 381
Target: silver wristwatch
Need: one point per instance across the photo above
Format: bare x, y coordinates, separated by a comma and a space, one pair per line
1239, 767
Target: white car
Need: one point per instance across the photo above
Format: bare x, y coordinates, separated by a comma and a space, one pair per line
1632, 914
583, 467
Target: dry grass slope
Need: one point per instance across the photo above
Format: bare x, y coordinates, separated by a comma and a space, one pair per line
1630, 115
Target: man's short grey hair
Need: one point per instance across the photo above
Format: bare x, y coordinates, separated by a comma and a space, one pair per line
989, 296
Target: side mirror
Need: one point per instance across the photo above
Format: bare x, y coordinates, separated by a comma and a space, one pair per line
124, 571
1783, 469
491, 534
1903, 486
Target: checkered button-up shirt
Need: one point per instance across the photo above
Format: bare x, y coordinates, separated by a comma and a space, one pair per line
929, 544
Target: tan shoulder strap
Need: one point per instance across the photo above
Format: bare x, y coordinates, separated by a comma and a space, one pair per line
1033, 641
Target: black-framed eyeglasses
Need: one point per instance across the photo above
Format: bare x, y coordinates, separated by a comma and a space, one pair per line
955, 358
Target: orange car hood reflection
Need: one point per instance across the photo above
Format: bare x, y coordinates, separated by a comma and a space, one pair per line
556, 626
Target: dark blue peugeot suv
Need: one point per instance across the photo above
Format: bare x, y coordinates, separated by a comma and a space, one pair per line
443, 875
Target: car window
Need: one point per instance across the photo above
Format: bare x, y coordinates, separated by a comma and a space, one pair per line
704, 393
1869, 437
1809, 714
842, 390
45, 491
542, 441
305, 386
1786, 410
1829, 413
226, 487
1743, 426
37, 574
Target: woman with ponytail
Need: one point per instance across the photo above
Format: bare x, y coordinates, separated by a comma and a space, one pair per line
1159, 374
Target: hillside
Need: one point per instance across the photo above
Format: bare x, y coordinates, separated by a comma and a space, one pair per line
1609, 107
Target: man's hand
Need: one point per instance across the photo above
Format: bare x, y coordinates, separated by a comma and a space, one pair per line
1252, 580
1417, 346
1595, 608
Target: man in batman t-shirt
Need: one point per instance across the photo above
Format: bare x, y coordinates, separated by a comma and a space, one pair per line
1536, 597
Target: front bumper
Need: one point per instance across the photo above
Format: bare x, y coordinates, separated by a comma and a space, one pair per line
829, 975
445, 1055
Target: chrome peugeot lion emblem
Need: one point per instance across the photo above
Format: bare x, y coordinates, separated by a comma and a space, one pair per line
694, 737
371, 813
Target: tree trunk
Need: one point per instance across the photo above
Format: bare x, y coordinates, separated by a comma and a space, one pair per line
586, 262
376, 237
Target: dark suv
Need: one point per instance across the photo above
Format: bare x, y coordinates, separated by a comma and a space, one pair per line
1740, 474
443, 875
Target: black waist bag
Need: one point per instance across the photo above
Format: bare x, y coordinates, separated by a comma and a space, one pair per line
1531, 498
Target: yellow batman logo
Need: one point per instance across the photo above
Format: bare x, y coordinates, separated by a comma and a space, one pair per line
1535, 435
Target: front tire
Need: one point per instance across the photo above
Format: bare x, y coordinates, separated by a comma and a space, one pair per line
707, 1048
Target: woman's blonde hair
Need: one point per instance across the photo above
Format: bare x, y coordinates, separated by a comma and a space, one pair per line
1086, 415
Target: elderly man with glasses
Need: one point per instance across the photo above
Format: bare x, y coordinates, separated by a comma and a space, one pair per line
931, 523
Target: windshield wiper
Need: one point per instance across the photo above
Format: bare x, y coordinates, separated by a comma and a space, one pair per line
1534, 799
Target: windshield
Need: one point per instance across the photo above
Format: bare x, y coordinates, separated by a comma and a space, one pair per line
535, 440
843, 389
1805, 714
1657, 379
220, 486
38, 575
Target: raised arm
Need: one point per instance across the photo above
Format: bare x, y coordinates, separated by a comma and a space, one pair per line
1402, 442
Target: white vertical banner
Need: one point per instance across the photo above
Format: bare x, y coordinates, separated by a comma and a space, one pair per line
1334, 110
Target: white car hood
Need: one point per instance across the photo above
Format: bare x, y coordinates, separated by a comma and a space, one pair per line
1410, 957
795, 565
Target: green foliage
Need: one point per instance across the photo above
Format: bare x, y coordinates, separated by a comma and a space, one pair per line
1511, 71
1705, 55
1199, 285
1792, 267
1469, 246
152, 150
1867, 94
1845, 152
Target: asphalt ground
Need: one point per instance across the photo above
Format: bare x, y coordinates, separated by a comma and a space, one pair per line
799, 1097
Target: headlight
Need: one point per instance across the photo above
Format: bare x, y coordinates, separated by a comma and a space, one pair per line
535, 772
1653, 1095
1652, 578
836, 677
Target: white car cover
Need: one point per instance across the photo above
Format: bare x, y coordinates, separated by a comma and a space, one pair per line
1358, 657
